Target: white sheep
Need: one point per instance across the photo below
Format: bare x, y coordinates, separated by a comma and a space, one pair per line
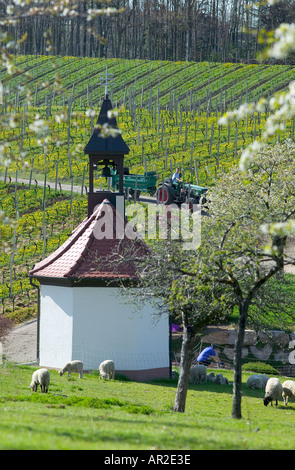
107, 369
211, 376
198, 374
40, 377
257, 381
288, 391
72, 366
273, 391
219, 379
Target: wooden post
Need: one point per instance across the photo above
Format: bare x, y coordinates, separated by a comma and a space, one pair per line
197, 174
56, 173
83, 177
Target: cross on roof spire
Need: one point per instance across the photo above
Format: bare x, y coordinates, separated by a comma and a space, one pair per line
108, 78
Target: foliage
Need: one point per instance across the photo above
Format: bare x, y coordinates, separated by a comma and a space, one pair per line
233, 246
260, 368
264, 194
232, 266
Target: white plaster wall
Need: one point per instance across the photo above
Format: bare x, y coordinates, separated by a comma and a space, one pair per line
93, 324
105, 327
56, 326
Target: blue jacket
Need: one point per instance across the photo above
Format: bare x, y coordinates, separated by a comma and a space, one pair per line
206, 354
174, 177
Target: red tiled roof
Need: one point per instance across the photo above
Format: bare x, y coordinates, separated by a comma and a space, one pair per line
94, 250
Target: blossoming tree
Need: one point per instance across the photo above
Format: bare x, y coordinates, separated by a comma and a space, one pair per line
244, 241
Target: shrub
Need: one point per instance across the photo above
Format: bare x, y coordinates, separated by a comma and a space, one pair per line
260, 368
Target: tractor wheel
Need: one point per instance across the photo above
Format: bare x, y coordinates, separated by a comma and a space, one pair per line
164, 195
192, 201
132, 194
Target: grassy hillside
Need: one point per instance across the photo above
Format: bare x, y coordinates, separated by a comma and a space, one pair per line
90, 413
168, 116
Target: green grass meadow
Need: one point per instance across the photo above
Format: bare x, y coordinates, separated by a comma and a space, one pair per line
94, 414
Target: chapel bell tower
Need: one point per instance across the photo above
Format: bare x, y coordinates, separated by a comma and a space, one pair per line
104, 153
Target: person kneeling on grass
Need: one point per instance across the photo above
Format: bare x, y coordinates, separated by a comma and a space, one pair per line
205, 357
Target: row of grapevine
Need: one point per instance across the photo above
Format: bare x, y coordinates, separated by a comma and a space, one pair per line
154, 139
44, 220
169, 83
168, 117
169, 108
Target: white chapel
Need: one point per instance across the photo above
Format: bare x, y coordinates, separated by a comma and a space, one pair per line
82, 312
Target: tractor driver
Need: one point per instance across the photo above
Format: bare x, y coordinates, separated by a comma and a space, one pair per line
176, 177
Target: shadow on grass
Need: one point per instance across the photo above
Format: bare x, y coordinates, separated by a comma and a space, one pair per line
211, 387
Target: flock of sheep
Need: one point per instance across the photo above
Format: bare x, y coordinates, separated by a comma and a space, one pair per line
42, 376
198, 374
274, 389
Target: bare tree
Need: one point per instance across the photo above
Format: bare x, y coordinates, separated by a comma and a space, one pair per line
149, 29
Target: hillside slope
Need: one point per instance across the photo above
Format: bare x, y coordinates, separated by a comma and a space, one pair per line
168, 116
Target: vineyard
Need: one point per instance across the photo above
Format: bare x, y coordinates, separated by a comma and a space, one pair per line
168, 115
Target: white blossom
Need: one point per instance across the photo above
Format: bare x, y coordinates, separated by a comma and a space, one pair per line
10, 9
108, 11
8, 64
285, 35
60, 117
90, 113
279, 229
39, 126
238, 114
248, 153
4, 154
109, 131
112, 113
13, 121
93, 12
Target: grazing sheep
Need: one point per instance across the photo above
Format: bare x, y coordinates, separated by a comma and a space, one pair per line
198, 374
257, 381
40, 377
73, 366
288, 391
273, 391
107, 369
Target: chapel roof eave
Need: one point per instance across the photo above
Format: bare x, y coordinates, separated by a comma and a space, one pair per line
86, 282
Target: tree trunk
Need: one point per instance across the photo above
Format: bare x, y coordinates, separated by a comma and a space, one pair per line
237, 385
185, 365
